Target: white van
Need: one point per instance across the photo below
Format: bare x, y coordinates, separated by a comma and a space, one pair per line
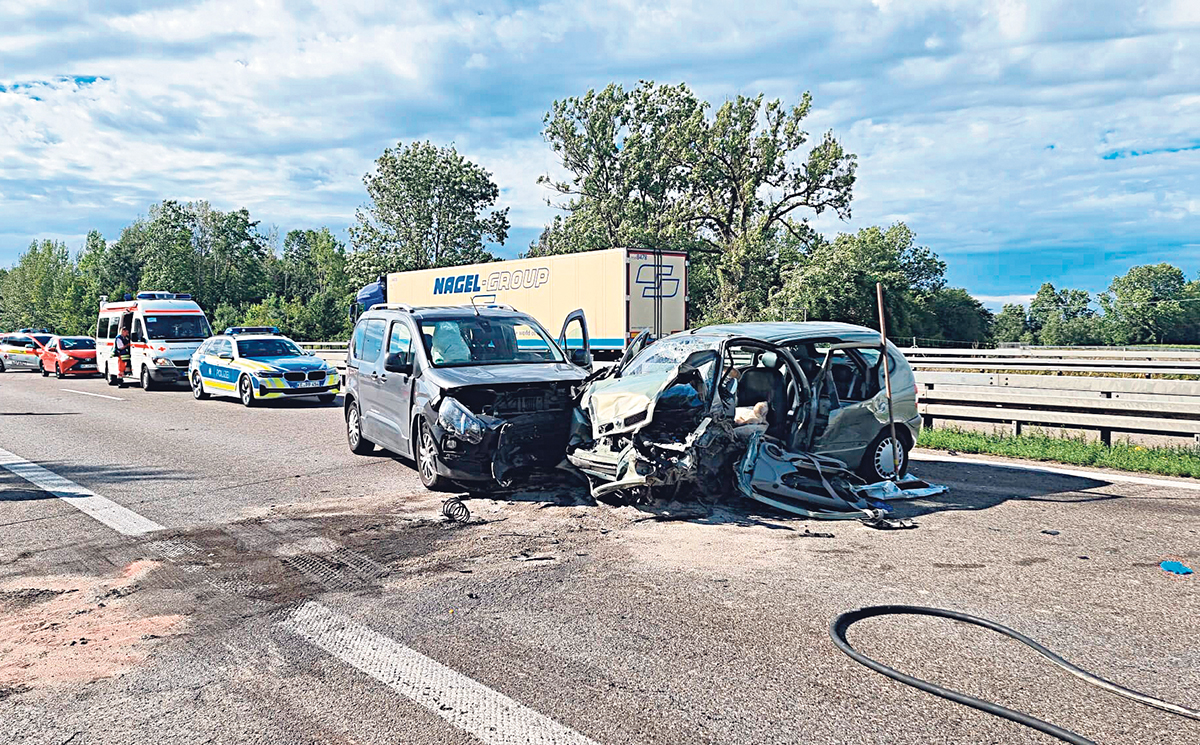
164, 330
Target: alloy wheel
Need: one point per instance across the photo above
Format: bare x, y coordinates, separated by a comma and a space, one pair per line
887, 457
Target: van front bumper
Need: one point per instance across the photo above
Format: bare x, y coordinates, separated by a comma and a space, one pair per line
168, 374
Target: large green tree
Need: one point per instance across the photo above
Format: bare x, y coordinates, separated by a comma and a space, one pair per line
656, 167
1143, 306
835, 281
429, 207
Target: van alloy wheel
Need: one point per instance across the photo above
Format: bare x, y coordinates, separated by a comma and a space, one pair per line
359, 445
427, 458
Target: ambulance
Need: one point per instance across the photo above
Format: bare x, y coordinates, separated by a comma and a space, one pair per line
164, 330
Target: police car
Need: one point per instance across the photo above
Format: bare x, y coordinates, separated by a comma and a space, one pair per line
256, 363
22, 350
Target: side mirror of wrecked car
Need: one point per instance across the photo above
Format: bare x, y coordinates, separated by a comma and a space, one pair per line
395, 363
581, 357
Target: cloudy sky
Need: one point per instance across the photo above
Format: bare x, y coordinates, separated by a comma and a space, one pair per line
1023, 141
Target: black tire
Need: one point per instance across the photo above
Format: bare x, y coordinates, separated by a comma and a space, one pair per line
2, 366
327, 398
42, 368
359, 445
426, 457
876, 462
58, 371
147, 381
246, 392
198, 391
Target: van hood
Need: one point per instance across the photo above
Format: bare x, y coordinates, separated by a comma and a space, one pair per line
461, 377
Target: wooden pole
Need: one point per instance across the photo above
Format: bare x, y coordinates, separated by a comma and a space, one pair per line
887, 380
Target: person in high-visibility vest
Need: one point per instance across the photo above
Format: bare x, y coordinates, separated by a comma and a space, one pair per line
121, 349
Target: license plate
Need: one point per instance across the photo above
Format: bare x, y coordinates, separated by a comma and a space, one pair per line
310, 383
86, 367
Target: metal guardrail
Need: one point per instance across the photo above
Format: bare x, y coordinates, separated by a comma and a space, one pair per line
1111, 361
1106, 405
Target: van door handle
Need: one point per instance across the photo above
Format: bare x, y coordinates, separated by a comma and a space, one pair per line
383, 378
374, 375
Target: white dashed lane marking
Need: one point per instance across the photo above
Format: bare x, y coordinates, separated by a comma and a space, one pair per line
97, 395
120, 519
462, 702
465, 703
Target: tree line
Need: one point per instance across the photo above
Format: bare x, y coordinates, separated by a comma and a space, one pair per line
232, 268
1150, 304
654, 167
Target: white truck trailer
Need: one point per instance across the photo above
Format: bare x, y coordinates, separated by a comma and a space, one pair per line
622, 291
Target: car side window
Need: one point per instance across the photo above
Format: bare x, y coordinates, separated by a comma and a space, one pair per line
372, 342
137, 335
400, 341
356, 341
223, 347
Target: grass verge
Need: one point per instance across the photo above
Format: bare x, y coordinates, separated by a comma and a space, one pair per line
1166, 461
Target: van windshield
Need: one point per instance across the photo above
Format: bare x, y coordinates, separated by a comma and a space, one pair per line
479, 340
182, 327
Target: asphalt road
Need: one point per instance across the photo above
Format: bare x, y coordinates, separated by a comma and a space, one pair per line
299, 594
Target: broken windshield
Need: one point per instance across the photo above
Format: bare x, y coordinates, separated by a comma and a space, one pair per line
666, 355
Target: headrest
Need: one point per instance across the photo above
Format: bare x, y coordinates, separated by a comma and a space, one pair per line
772, 360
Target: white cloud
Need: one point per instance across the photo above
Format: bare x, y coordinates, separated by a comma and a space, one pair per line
984, 125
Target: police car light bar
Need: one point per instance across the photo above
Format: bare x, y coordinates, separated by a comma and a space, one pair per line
235, 330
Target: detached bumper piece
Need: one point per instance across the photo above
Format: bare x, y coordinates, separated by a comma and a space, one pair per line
820, 487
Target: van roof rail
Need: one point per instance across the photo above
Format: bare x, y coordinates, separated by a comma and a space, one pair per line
391, 306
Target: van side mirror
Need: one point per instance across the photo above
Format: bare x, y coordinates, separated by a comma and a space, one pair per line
581, 357
395, 363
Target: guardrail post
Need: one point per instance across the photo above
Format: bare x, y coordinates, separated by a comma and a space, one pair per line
1016, 428
1106, 437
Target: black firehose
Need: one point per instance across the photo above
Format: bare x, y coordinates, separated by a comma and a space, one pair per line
840, 625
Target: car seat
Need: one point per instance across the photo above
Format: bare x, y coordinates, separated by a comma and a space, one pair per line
767, 384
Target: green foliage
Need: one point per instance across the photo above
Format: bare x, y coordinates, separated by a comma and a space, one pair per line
427, 209
957, 317
1143, 305
651, 168
1168, 461
836, 281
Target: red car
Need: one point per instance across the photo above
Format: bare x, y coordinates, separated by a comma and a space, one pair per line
69, 355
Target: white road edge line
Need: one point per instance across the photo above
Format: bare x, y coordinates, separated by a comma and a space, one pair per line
465, 703
120, 519
85, 393
1099, 475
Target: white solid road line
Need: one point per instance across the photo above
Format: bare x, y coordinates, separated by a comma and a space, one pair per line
85, 393
465, 703
120, 519
1098, 475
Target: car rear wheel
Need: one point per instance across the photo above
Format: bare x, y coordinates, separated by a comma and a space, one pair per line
359, 445
112, 379
877, 463
246, 391
427, 458
42, 369
198, 387
1, 366
58, 373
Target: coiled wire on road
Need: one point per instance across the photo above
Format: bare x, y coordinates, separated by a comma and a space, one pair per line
841, 624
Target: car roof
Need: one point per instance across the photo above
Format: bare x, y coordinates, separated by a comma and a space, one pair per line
435, 312
778, 331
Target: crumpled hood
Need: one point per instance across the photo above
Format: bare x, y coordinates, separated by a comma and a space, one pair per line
611, 402
461, 377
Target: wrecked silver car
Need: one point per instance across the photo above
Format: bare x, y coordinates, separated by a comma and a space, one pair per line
791, 414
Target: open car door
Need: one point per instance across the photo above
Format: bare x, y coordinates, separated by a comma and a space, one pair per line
574, 339
640, 342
